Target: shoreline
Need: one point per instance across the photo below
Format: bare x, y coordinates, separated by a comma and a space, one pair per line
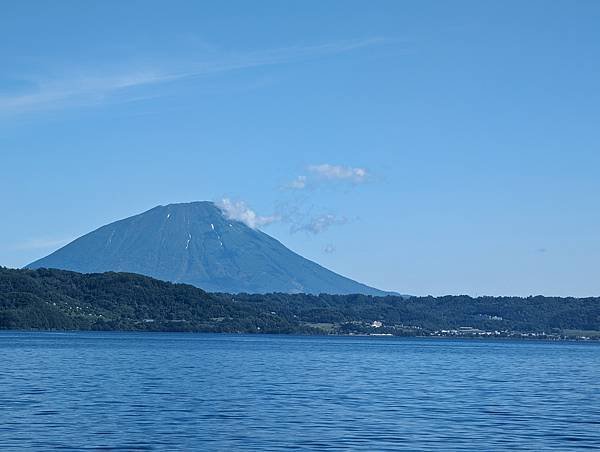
514, 338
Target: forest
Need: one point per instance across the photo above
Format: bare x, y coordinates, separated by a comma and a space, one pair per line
49, 299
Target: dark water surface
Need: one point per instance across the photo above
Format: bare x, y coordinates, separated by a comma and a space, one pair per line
120, 391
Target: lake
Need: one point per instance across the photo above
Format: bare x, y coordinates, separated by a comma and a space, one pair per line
169, 391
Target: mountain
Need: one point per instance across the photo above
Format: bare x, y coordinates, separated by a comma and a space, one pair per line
195, 243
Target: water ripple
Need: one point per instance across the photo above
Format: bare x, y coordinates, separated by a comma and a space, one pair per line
113, 391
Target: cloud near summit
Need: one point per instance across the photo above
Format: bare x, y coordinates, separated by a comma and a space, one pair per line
294, 213
297, 220
238, 210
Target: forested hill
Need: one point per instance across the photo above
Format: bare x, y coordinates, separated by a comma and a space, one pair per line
63, 300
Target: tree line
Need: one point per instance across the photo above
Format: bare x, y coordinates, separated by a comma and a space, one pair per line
52, 299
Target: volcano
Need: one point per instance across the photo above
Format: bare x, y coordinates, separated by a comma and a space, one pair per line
195, 243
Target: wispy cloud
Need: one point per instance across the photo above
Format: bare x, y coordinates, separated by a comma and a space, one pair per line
96, 88
318, 224
339, 172
298, 184
239, 211
329, 248
303, 218
298, 219
326, 172
41, 244
295, 212
50, 94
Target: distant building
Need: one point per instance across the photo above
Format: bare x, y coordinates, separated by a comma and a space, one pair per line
468, 330
376, 324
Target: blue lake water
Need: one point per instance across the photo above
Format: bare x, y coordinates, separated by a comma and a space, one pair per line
137, 391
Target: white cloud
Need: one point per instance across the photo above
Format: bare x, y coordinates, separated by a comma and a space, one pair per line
293, 216
76, 90
329, 173
339, 172
239, 211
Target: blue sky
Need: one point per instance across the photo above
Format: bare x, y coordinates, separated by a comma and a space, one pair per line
424, 147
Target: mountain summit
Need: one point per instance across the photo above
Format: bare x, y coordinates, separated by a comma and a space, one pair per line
195, 243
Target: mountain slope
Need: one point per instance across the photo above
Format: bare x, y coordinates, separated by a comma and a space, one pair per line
195, 243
